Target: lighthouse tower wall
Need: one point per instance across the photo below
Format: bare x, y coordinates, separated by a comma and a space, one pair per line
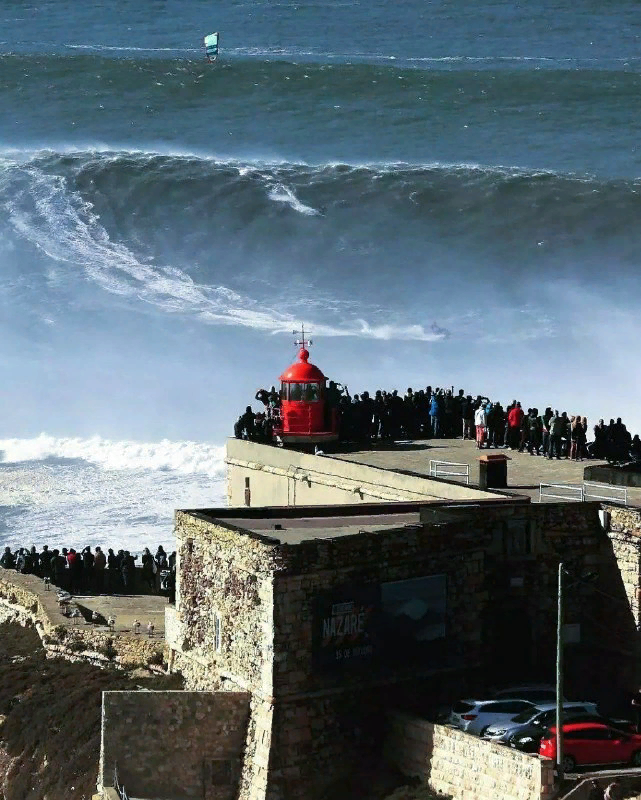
264, 475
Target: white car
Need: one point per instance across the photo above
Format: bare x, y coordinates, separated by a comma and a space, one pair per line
536, 719
474, 716
534, 692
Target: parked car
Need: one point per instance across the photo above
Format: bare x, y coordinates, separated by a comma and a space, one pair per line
534, 692
535, 720
529, 741
473, 716
593, 743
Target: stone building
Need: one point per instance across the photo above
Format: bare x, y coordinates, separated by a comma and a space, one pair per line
330, 616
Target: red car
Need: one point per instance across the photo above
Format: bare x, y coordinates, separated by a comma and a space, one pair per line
593, 743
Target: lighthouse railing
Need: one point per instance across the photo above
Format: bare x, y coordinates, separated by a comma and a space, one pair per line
449, 469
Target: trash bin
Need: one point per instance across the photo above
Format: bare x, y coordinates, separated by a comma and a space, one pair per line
493, 471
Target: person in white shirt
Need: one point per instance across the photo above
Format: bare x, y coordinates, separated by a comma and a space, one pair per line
480, 421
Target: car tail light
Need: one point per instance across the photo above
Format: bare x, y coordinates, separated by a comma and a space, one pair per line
469, 717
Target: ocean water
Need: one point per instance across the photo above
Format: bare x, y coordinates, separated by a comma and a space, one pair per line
442, 192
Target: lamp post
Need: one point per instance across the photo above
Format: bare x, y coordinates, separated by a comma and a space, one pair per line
587, 578
559, 676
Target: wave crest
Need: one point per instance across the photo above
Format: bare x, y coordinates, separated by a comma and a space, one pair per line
185, 458
51, 200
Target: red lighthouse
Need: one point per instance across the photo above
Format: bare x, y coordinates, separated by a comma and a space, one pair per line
305, 416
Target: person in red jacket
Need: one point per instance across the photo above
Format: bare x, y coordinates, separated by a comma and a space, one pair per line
514, 420
75, 571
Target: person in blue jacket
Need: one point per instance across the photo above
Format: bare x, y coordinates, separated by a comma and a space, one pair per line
436, 410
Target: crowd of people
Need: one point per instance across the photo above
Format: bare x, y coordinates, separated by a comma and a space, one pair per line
440, 413
96, 572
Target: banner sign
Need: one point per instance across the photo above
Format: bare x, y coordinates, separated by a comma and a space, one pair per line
414, 610
399, 621
345, 626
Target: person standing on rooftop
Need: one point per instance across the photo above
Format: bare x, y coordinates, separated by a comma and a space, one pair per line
480, 421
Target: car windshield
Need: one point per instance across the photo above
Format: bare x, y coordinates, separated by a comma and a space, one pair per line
524, 716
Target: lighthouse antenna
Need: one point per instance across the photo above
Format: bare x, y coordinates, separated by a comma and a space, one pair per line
302, 342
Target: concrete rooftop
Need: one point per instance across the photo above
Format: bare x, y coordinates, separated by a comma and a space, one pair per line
294, 530
524, 472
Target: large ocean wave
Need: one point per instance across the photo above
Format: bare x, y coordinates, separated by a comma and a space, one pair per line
115, 217
74, 491
246, 57
184, 458
221, 197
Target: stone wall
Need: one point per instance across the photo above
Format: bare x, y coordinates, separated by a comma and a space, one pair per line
623, 526
102, 647
170, 745
465, 767
309, 725
225, 579
23, 591
624, 531
371, 559
23, 599
224, 617
281, 477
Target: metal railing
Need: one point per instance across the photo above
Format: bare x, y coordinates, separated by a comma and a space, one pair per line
561, 491
449, 469
122, 794
579, 493
614, 494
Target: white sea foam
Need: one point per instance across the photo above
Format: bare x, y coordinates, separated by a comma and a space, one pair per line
119, 48
183, 457
267, 168
72, 491
387, 331
283, 194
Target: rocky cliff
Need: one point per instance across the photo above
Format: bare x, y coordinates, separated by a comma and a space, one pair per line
50, 718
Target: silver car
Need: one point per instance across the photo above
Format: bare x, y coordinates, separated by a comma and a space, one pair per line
474, 716
535, 719
534, 692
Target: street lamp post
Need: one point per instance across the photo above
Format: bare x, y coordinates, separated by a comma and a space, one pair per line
559, 676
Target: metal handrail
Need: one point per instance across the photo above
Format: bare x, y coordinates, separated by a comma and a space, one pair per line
122, 794
588, 493
561, 486
436, 470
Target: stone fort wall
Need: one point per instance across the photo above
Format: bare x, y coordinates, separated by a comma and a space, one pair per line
23, 599
465, 767
308, 725
174, 744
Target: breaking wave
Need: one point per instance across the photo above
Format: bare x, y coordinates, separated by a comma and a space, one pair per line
184, 458
114, 216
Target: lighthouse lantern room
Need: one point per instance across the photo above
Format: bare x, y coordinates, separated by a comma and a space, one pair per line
306, 415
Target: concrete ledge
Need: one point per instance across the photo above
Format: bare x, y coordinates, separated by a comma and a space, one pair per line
615, 476
290, 478
24, 599
108, 793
